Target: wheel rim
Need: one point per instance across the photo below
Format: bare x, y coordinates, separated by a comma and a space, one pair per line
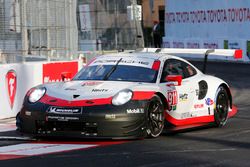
222, 107
156, 118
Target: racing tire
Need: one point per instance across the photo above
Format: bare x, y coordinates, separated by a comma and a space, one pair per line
221, 107
155, 117
18, 122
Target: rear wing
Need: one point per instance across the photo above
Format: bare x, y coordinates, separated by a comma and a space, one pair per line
236, 54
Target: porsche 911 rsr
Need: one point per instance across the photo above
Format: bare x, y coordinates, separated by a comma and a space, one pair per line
126, 95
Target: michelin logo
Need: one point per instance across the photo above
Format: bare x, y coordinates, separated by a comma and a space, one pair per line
64, 110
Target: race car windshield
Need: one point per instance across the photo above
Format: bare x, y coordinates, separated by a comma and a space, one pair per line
122, 73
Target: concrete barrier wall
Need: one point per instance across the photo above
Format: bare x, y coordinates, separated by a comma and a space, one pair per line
17, 79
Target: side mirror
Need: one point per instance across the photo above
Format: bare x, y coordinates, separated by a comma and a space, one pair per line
66, 76
175, 80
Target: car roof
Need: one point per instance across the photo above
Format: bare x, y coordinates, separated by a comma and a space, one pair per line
139, 55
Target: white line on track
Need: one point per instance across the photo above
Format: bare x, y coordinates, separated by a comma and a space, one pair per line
32, 149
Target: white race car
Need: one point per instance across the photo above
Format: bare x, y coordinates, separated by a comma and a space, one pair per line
129, 95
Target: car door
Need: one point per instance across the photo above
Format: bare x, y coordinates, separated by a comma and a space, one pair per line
180, 98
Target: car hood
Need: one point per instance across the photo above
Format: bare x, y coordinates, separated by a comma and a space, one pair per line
83, 90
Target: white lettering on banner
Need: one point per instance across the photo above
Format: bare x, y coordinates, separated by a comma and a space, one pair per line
47, 79
209, 16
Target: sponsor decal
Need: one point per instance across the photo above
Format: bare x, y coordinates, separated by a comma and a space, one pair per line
183, 97
172, 97
209, 101
122, 62
186, 115
198, 106
135, 111
62, 118
110, 116
99, 90
11, 83
27, 113
58, 110
197, 92
173, 108
91, 83
52, 72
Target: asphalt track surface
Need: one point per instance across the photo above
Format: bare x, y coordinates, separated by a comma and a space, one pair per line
228, 146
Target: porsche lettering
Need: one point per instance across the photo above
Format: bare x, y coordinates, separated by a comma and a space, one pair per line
99, 90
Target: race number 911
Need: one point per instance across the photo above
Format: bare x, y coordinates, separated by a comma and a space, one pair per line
172, 97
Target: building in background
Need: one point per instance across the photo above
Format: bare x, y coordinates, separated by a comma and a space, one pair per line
153, 10
106, 25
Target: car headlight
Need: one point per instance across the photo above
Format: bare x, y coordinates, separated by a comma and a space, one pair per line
36, 94
122, 97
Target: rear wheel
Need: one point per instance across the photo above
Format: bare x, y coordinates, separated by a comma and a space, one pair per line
221, 108
155, 117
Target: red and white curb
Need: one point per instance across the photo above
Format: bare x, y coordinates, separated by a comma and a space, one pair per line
35, 149
8, 126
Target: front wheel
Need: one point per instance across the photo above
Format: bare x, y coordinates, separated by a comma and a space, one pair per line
155, 117
221, 108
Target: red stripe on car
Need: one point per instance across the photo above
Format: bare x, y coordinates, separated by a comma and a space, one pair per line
137, 95
188, 121
77, 103
156, 65
238, 54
